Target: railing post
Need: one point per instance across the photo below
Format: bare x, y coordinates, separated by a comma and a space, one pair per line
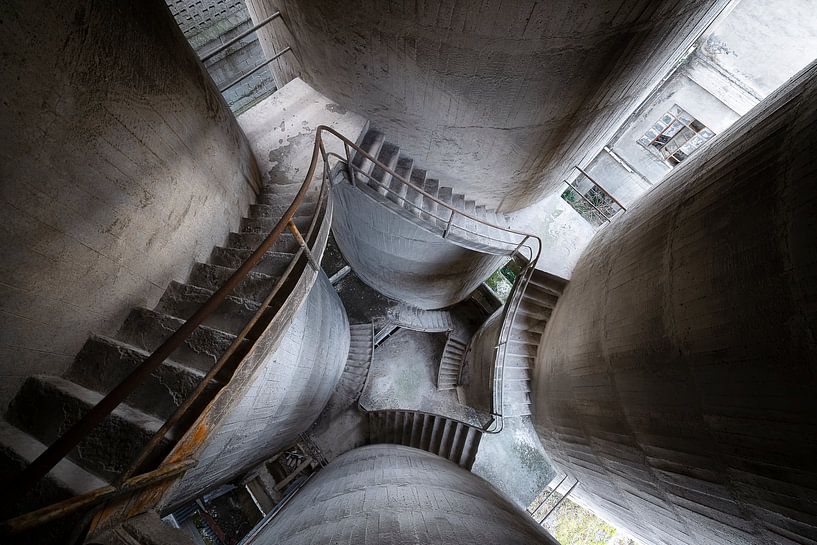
349, 169
302, 243
448, 225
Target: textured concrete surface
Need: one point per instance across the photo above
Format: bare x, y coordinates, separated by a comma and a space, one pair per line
514, 461
401, 259
676, 379
403, 375
281, 130
513, 92
284, 396
394, 494
121, 165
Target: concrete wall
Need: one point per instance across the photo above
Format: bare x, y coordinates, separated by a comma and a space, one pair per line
210, 23
677, 374
383, 494
402, 260
762, 43
478, 373
285, 395
499, 98
121, 166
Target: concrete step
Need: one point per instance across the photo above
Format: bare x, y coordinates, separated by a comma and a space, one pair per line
388, 155
534, 295
517, 373
285, 198
548, 282
398, 189
251, 241
182, 300
272, 264
372, 142
431, 186
255, 287
522, 348
520, 386
533, 312
266, 225
45, 406
146, 330
104, 362
470, 448
17, 451
275, 212
414, 199
516, 409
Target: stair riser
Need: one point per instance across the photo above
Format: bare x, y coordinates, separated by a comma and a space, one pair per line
100, 367
147, 330
265, 226
275, 212
272, 264
251, 241
182, 300
106, 451
254, 287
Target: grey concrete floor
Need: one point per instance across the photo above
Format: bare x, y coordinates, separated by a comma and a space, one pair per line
403, 375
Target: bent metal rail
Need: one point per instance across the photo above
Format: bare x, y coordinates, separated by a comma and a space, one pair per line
24, 482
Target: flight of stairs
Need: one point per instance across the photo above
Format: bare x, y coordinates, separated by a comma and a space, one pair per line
535, 308
448, 374
361, 348
46, 405
409, 203
451, 439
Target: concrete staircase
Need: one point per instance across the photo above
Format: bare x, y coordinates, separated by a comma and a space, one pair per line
361, 349
437, 434
410, 203
448, 374
45, 406
535, 308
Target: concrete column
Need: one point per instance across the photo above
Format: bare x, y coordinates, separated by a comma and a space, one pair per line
677, 378
383, 494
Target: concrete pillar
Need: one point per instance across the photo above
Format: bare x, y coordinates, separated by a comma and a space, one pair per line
383, 494
677, 378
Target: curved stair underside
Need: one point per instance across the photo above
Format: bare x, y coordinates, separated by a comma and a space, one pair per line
401, 242
451, 439
46, 405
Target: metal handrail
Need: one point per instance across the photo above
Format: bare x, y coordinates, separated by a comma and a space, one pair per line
73, 504
60, 448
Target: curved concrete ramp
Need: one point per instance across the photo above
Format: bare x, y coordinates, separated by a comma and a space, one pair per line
401, 259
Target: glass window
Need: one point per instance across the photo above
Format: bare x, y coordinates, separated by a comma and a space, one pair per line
675, 136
